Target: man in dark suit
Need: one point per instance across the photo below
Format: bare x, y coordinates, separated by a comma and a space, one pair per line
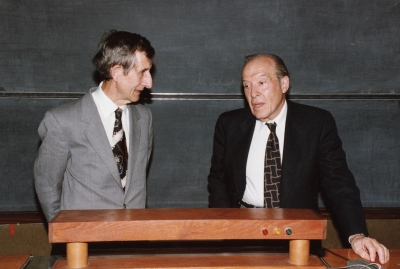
309, 152
95, 150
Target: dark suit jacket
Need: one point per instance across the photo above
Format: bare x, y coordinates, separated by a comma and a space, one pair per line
312, 159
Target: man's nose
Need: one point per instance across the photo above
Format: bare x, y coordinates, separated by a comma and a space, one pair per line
254, 91
147, 80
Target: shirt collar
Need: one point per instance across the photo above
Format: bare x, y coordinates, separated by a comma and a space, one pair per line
280, 120
106, 106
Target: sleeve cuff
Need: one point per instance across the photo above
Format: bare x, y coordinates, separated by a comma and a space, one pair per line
352, 236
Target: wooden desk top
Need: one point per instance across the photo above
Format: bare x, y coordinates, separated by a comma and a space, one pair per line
226, 261
13, 261
185, 214
185, 224
335, 261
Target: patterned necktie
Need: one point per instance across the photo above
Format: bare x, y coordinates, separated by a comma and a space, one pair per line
272, 169
119, 149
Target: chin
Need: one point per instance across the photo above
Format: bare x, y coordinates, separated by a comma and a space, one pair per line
135, 98
262, 118
259, 115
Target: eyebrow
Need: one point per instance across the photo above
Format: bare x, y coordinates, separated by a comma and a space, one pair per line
145, 69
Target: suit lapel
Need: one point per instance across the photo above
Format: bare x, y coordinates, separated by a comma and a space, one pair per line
134, 141
96, 135
295, 133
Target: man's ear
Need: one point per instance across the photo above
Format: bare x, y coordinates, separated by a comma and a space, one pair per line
116, 71
285, 84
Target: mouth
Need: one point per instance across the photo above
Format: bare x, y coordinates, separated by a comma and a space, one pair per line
256, 105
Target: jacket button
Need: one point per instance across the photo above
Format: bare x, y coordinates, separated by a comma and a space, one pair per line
124, 206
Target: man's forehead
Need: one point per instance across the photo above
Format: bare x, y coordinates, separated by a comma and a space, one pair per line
259, 67
258, 71
258, 74
143, 60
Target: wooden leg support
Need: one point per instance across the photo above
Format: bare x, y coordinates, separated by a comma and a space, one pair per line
299, 252
77, 255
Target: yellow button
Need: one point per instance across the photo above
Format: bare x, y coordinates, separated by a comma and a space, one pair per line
277, 231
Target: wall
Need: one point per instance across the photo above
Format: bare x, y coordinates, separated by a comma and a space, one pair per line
343, 56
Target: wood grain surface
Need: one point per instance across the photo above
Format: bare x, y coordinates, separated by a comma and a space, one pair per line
185, 224
338, 258
13, 261
237, 261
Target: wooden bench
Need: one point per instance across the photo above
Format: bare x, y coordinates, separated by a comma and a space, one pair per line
78, 227
16, 261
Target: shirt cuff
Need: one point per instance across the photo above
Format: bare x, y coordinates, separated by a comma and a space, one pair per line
350, 237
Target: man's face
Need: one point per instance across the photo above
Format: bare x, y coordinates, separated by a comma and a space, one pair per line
129, 86
264, 92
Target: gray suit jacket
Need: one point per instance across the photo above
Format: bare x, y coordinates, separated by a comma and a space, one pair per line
75, 168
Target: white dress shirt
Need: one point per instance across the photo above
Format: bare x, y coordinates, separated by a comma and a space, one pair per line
106, 109
254, 192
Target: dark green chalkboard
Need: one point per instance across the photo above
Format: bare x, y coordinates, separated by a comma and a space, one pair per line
332, 48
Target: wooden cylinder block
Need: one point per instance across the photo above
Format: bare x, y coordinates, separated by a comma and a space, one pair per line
77, 255
299, 252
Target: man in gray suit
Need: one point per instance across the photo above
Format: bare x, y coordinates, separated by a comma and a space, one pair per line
78, 166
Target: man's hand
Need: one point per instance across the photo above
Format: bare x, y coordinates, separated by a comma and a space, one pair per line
367, 248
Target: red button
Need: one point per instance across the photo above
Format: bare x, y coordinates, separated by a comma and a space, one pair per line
265, 231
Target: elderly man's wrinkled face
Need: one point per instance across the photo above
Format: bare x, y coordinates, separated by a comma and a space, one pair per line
264, 92
130, 85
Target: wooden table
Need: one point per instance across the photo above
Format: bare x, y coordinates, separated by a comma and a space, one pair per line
76, 228
335, 261
13, 261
